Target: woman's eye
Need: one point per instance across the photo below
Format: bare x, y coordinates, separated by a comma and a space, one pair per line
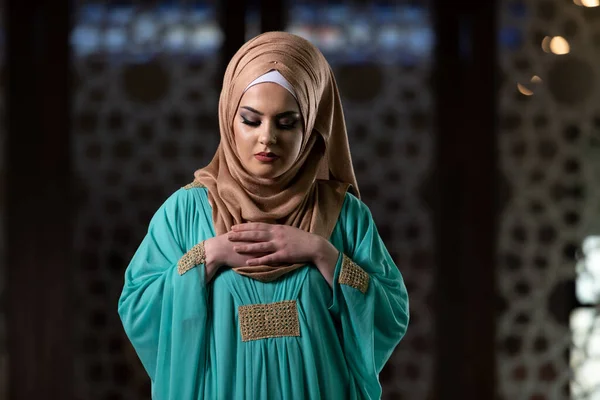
251, 123
287, 124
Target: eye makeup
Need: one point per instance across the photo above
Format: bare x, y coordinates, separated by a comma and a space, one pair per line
286, 120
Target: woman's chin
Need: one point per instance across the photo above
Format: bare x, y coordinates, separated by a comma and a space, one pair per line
266, 174
265, 171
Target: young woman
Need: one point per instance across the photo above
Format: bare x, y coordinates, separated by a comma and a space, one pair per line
265, 278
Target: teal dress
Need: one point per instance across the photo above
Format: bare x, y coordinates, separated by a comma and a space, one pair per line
239, 338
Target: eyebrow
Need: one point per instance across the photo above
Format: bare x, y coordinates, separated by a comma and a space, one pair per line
283, 114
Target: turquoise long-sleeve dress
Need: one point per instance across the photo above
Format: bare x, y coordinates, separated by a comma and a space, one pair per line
239, 338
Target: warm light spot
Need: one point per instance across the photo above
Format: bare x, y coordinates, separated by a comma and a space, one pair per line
536, 79
524, 90
577, 2
546, 44
590, 3
559, 45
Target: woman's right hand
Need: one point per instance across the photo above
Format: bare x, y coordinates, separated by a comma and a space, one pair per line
219, 253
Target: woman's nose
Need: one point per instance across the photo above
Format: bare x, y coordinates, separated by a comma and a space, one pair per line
268, 134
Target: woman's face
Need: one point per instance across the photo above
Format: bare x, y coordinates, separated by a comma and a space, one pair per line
268, 130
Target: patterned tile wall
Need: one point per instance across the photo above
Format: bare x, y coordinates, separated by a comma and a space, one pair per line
546, 128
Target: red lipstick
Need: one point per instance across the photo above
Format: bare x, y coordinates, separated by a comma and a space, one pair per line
264, 156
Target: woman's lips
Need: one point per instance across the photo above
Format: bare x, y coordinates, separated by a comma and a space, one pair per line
266, 157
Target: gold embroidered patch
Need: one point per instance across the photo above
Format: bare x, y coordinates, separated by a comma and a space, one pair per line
193, 185
353, 275
261, 321
195, 256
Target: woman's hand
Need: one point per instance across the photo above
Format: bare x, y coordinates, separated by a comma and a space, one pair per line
219, 252
269, 244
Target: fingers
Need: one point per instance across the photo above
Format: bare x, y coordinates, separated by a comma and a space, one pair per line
264, 247
249, 236
269, 259
251, 226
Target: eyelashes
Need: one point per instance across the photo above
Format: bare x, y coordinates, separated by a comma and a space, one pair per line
255, 124
287, 126
250, 123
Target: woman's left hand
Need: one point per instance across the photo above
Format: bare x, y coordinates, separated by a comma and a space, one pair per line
284, 244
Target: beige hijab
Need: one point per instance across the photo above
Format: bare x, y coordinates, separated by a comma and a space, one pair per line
310, 194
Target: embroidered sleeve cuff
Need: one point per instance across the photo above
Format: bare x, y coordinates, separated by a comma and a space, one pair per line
353, 275
196, 256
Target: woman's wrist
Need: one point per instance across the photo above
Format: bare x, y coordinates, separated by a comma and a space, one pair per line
211, 264
325, 258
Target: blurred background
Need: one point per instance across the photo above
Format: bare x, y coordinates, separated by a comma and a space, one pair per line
475, 134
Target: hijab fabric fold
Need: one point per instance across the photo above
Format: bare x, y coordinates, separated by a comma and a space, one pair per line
308, 196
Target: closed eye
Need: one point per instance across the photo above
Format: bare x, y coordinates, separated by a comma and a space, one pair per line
251, 123
287, 126
290, 125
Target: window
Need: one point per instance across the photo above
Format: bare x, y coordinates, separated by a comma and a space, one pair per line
585, 324
125, 32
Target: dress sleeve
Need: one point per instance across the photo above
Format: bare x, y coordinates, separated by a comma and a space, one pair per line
369, 297
163, 305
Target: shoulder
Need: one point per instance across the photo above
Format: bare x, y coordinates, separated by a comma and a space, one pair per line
354, 223
353, 213
186, 213
354, 209
192, 197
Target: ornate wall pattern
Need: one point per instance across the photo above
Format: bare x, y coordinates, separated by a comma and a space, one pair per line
142, 125
544, 142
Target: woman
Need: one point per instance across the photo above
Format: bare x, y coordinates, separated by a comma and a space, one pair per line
265, 277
